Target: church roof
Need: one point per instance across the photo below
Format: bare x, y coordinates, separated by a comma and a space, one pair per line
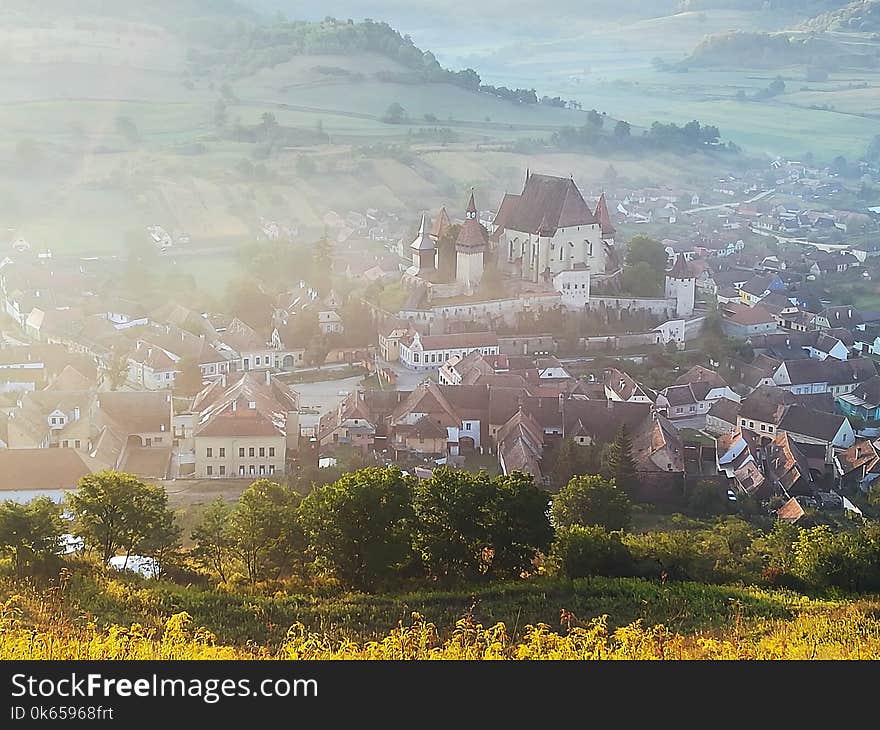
604, 217
681, 269
422, 242
471, 236
441, 223
544, 198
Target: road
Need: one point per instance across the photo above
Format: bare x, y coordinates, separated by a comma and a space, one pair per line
753, 199
324, 394
828, 247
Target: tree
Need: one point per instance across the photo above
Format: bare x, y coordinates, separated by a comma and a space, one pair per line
446, 261
594, 118
188, 381
30, 532
518, 527
451, 512
115, 370
591, 500
472, 527
640, 280
650, 276
706, 500
246, 300
213, 538
358, 528
622, 129
581, 551
571, 459
316, 351
323, 266
619, 464
128, 129
116, 512
265, 531
394, 114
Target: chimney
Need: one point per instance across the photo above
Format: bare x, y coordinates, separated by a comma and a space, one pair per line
268, 378
234, 403
849, 313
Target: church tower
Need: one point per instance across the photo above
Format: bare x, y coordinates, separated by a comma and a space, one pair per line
423, 252
470, 246
681, 285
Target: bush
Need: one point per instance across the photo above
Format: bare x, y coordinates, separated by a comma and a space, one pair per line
591, 500
582, 552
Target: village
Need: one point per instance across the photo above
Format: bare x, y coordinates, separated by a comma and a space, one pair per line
514, 332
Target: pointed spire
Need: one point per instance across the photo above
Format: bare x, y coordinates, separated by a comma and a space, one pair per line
422, 242
471, 206
604, 217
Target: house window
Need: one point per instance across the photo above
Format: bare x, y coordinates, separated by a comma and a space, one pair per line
66, 443
763, 427
222, 452
77, 443
252, 469
241, 452
271, 468
751, 424
209, 452
241, 470
210, 471
415, 357
257, 361
262, 469
262, 451
271, 451
157, 440
468, 426
222, 470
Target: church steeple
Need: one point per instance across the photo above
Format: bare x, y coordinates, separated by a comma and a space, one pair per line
471, 211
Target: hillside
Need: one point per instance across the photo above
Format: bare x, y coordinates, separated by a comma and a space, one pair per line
125, 124
773, 50
862, 16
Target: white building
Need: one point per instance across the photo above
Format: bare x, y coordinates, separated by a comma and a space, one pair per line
681, 285
549, 228
470, 246
574, 286
429, 352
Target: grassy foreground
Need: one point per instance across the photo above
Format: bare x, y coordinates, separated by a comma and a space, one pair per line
600, 618
845, 634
